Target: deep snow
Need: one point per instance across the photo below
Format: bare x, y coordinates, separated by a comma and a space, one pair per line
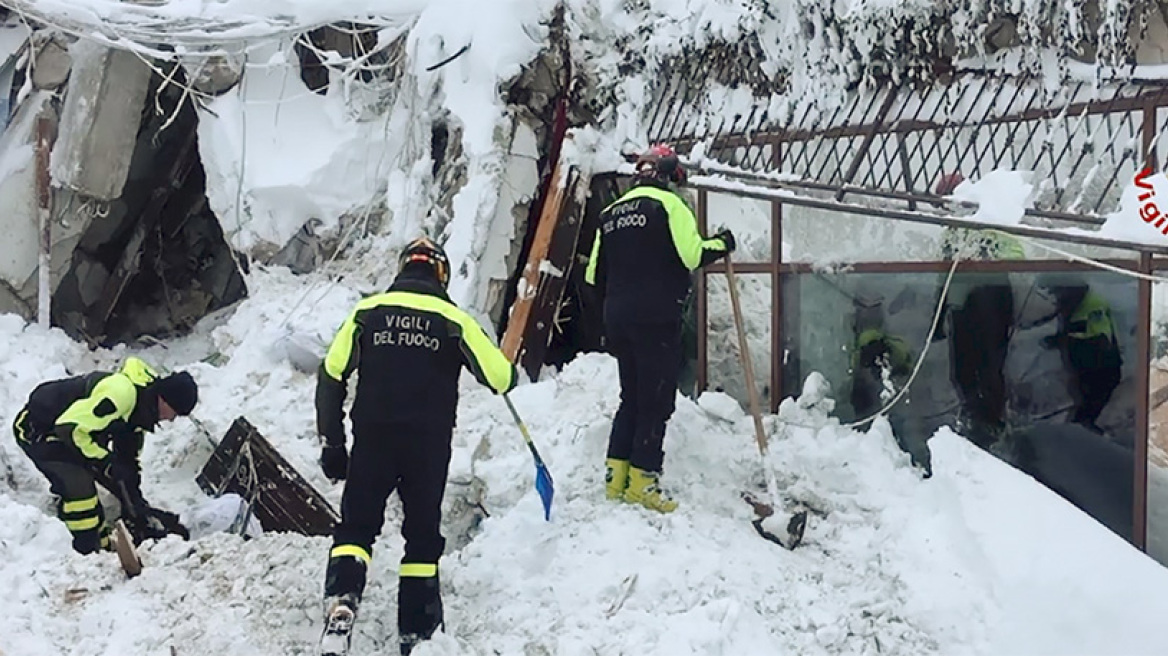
978, 559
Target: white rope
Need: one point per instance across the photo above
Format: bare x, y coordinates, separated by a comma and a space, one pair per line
924, 351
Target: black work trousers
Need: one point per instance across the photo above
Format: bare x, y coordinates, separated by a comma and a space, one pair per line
70, 481
387, 457
1096, 364
980, 340
649, 357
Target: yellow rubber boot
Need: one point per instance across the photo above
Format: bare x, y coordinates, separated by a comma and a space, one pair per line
644, 490
616, 478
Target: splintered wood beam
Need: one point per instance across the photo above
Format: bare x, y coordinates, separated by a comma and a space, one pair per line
520, 312
554, 273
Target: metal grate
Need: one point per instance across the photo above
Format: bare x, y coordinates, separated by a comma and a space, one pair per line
1083, 142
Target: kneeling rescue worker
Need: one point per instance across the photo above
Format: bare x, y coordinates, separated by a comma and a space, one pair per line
88, 430
646, 247
408, 346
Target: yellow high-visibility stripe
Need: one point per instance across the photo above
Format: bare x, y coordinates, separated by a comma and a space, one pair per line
593, 261
351, 550
75, 525
419, 570
338, 362
19, 426
80, 505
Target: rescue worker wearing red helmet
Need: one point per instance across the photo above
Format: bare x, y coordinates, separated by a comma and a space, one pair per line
642, 258
408, 347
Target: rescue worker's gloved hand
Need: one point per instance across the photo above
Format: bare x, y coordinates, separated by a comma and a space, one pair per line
1051, 341
144, 526
727, 238
334, 461
169, 522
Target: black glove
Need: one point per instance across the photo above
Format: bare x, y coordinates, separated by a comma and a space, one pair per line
1051, 341
122, 478
334, 461
169, 522
727, 238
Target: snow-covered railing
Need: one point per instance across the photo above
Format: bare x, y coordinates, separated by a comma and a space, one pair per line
1083, 142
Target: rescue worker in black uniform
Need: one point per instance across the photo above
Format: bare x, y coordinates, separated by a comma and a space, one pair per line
89, 430
642, 256
1086, 336
408, 346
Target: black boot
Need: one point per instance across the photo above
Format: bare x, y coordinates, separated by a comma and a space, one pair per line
419, 610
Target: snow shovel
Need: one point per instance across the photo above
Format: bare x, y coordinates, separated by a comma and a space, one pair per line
543, 478
764, 524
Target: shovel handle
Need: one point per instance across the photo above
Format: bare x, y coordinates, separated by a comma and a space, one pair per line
744, 356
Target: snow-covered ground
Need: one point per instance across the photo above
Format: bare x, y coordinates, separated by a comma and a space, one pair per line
978, 559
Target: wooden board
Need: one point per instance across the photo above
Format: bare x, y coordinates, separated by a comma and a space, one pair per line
124, 546
248, 465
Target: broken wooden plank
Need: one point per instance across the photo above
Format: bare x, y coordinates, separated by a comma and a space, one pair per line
529, 282
246, 464
554, 273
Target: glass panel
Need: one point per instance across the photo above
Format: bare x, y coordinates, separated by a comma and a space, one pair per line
1017, 359
750, 221
828, 237
724, 368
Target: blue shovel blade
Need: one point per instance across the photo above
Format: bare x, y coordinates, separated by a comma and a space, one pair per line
545, 488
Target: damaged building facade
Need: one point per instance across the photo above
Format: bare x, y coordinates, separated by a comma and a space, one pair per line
100, 146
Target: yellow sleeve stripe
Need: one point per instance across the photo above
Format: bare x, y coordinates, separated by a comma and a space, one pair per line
351, 550
494, 366
338, 360
116, 388
419, 570
593, 260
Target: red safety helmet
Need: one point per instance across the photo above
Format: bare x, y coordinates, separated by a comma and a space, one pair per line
661, 162
426, 251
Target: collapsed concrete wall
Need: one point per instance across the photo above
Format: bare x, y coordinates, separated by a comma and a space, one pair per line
99, 120
134, 249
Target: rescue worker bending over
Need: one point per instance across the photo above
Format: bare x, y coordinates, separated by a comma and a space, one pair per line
408, 346
1086, 336
646, 247
89, 430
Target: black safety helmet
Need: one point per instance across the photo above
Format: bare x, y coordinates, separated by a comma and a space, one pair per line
661, 162
426, 251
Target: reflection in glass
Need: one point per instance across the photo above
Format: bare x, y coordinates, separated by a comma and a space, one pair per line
1036, 368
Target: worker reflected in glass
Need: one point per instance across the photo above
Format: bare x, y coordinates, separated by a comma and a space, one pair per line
881, 365
980, 308
1087, 339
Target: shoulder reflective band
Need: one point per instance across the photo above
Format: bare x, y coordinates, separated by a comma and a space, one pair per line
419, 570
351, 550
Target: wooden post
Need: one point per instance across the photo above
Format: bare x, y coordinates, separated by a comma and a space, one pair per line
512, 343
44, 147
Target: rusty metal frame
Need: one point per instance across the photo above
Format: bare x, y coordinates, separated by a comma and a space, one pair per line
880, 152
1143, 392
